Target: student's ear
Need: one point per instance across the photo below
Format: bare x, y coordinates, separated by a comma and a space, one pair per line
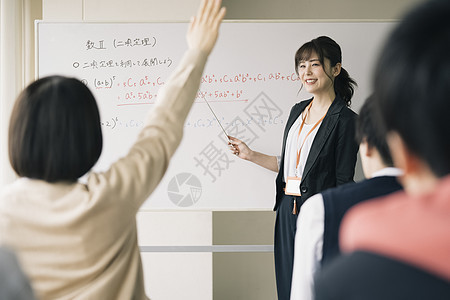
365, 153
364, 149
401, 155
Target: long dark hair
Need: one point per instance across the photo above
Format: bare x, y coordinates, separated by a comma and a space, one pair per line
325, 47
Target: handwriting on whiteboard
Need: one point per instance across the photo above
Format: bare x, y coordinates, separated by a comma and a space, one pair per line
217, 88
247, 126
117, 43
148, 62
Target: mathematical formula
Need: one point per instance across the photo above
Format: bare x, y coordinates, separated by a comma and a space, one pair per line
116, 122
248, 78
138, 90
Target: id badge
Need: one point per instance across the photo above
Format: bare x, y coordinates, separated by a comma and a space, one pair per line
293, 186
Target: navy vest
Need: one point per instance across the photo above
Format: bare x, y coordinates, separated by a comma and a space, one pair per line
338, 200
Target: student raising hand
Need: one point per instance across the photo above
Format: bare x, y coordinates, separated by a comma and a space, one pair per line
203, 29
78, 240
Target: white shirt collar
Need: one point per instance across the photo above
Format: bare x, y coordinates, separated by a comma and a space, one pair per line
388, 172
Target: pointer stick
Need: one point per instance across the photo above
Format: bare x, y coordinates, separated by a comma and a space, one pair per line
217, 119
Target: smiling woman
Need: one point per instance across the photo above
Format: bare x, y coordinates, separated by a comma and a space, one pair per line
319, 150
315, 77
323, 54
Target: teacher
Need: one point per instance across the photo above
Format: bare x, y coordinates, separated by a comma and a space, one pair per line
319, 150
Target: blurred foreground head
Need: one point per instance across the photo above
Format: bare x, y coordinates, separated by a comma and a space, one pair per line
412, 84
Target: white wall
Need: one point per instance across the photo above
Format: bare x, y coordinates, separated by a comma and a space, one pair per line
119, 10
16, 65
184, 274
11, 74
318, 9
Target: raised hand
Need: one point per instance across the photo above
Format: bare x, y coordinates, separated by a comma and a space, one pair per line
204, 28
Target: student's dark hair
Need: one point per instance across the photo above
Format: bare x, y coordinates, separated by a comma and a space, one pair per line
369, 131
325, 47
412, 84
54, 131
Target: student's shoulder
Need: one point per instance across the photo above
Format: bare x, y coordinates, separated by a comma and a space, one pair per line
370, 211
375, 187
6, 254
362, 222
347, 278
8, 261
16, 188
386, 205
344, 189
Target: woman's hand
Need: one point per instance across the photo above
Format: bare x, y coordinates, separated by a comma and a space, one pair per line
239, 148
204, 28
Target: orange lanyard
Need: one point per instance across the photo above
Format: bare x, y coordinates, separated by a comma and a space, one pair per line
300, 130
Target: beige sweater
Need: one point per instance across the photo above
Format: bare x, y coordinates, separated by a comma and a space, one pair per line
79, 241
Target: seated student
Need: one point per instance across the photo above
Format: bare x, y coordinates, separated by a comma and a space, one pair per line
412, 84
370, 276
75, 240
14, 284
316, 241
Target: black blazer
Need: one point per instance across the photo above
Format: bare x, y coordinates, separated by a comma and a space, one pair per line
332, 158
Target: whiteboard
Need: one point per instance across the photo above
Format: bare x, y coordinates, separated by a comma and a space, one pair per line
249, 82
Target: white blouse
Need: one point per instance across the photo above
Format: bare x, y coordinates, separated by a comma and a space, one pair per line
293, 143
